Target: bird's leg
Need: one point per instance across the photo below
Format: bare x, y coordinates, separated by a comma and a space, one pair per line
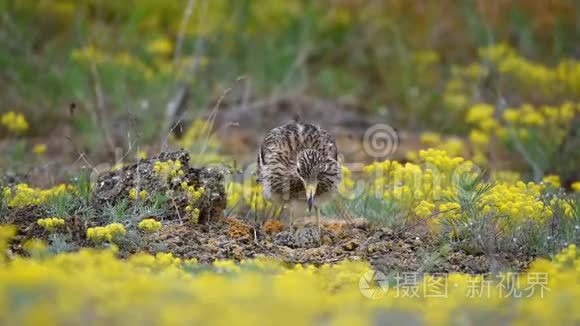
291, 208
318, 225
318, 218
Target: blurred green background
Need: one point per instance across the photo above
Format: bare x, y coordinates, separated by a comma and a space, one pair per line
445, 71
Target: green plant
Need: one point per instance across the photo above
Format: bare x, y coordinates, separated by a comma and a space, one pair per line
59, 243
116, 212
387, 212
62, 204
83, 185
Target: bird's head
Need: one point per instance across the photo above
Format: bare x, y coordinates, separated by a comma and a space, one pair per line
314, 167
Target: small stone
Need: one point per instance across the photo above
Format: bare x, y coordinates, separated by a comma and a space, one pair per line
308, 237
285, 238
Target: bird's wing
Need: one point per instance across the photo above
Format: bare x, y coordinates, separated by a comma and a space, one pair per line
272, 145
320, 140
285, 142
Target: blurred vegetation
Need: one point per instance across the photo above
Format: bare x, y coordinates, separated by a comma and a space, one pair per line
418, 65
491, 89
394, 53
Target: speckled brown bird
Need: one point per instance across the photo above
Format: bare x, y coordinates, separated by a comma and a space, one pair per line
298, 164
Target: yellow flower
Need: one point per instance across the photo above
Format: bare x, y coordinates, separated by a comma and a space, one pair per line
143, 194
424, 209
195, 215
23, 195
576, 186
50, 223
478, 137
511, 115
133, 193
109, 232
430, 138
480, 112
39, 149
149, 225
552, 179
160, 46
14, 122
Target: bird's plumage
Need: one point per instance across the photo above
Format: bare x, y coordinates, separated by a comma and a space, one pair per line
294, 156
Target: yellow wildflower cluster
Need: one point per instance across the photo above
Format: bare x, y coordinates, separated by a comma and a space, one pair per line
50, 223
424, 209
443, 162
453, 146
546, 122
134, 194
108, 232
256, 201
563, 77
14, 122
22, 194
234, 193
450, 211
346, 186
552, 179
156, 289
410, 183
512, 203
192, 193
526, 122
248, 193
193, 196
519, 202
454, 96
194, 213
149, 225
550, 122
169, 169
482, 118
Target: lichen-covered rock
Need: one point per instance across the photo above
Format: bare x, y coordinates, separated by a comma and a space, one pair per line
143, 177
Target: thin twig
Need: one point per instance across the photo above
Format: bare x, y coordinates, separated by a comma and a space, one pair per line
99, 107
181, 35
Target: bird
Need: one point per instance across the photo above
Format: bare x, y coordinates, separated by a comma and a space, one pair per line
297, 165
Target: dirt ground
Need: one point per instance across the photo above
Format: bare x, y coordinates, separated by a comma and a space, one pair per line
238, 238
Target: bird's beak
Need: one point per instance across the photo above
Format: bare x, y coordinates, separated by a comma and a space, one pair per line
310, 192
